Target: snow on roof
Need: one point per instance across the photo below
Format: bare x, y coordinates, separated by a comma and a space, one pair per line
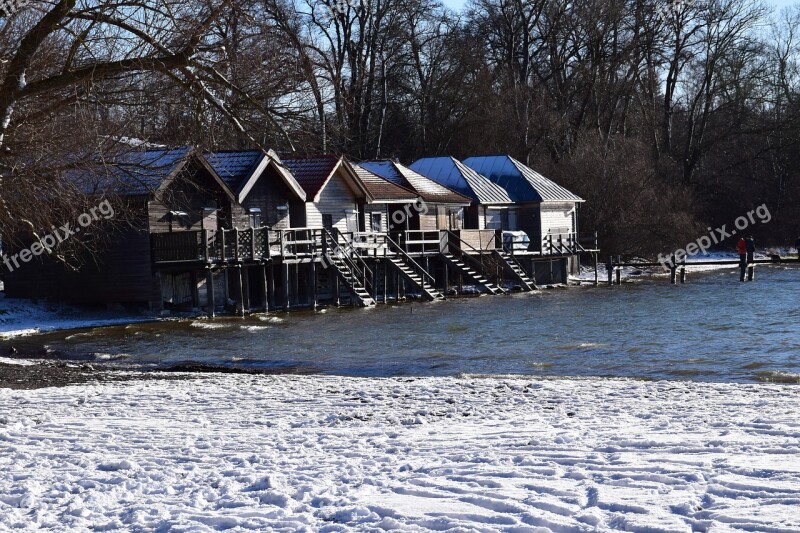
427, 189
454, 174
522, 183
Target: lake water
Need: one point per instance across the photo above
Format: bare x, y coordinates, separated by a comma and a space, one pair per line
713, 328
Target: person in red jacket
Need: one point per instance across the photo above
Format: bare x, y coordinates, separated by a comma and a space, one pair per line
741, 247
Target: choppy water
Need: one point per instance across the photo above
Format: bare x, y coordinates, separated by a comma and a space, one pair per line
713, 328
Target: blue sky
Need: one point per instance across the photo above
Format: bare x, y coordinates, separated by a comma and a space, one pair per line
456, 4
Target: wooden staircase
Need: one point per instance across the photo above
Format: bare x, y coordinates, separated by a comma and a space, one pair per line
427, 289
514, 267
349, 268
476, 277
411, 271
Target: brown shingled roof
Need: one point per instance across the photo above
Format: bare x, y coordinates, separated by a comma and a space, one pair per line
383, 190
312, 172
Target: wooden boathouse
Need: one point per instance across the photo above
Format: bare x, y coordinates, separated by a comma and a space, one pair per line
247, 231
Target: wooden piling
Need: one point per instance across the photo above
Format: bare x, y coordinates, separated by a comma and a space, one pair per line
286, 302
610, 270
246, 307
265, 287
314, 296
210, 292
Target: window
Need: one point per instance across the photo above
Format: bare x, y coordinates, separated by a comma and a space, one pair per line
377, 222
494, 219
327, 222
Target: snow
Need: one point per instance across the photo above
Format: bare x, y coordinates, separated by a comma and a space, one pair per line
20, 318
313, 453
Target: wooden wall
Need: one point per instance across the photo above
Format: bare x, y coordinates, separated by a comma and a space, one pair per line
336, 199
268, 194
556, 217
376, 209
121, 273
190, 192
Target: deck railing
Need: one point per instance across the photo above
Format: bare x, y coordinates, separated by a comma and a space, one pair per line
264, 244
569, 243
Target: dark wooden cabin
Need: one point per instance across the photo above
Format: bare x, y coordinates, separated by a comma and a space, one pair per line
160, 192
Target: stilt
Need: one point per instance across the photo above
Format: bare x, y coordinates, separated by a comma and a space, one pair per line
683, 274
751, 273
210, 292
314, 298
296, 283
195, 290
271, 299
286, 286
673, 272
446, 279
610, 270
246, 290
619, 276
375, 281
240, 289
596, 270
265, 287
385, 281
336, 288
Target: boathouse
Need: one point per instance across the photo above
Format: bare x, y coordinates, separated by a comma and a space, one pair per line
490, 202
544, 210
333, 192
174, 193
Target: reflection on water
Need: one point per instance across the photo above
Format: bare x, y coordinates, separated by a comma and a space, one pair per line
713, 328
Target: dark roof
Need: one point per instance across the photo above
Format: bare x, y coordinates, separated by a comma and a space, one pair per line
132, 173
454, 174
312, 172
381, 189
522, 183
427, 189
235, 167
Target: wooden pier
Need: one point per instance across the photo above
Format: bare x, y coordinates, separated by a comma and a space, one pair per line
678, 270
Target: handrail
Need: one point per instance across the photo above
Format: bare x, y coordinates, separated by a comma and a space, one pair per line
354, 253
461, 251
399, 250
348, 258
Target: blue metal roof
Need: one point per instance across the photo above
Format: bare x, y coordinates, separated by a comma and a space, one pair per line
235, 167
428, 190
454, 174
132, 173
522, 183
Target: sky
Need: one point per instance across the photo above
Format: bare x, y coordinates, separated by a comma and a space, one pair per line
457, 4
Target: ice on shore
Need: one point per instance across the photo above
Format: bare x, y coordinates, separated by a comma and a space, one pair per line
20, 318
307, 453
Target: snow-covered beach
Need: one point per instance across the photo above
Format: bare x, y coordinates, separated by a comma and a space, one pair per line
309, 453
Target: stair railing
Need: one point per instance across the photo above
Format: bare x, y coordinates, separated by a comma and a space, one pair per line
396, 248
350, 257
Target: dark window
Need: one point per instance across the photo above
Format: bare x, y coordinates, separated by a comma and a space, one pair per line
327, 222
